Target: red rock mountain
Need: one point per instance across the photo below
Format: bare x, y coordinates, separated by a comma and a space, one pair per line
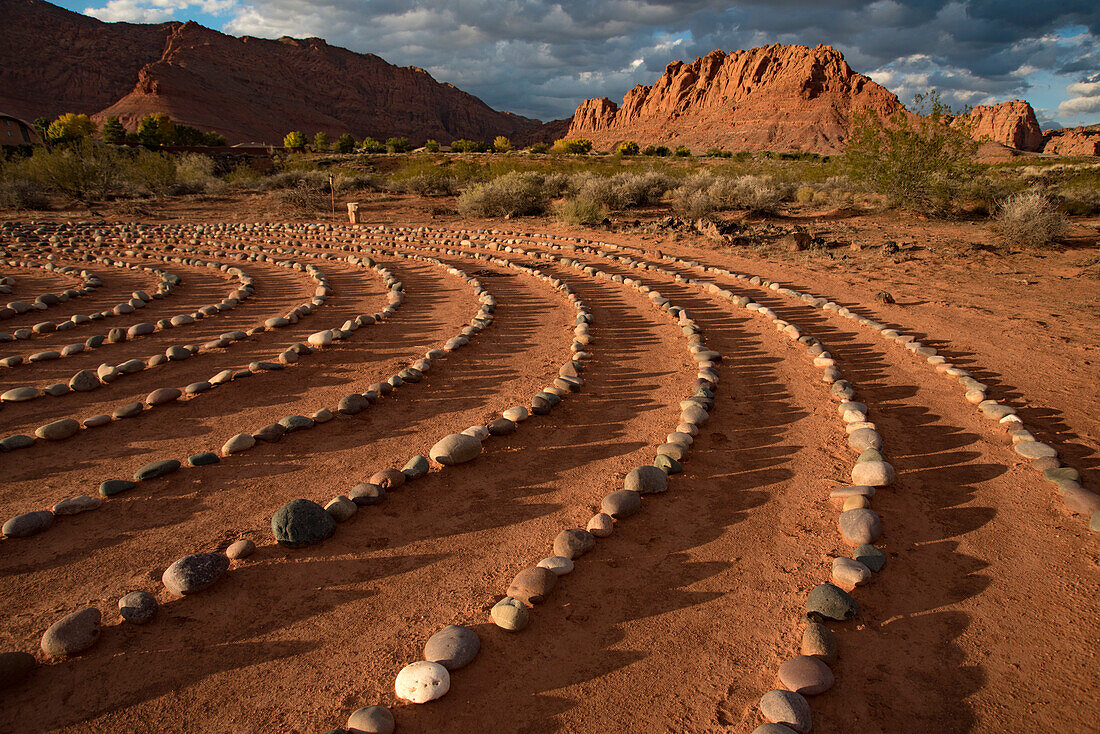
1008, 123
779, 97
248, 89
1073, 141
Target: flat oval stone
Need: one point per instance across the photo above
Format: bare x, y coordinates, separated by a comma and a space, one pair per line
58, 430
601, 525
371, 720
300, 522
510, 614
557, 565
194, 573
806, 675
787, 708
296, 423
388, 479
422, 681
127, 411
270, 433
456, 448
827, 601
1035, 450
621, 503
872, 473
241, 549
138, 607
870, 556
72, 634
864, 438
20, 394
667, 464
453, 647
573, 543
532, 585
18, 441
416, 467
860, 526
516, 414
28, 524
353, 404
646, 480
162, 395
156, 469
341, 508
111, 487
204, 459
1081, 501
849, 572
84, 381
237, 444
77, 505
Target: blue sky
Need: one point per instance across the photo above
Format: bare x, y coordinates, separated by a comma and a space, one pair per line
540, 58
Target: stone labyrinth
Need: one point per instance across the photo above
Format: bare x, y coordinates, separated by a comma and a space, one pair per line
377, 456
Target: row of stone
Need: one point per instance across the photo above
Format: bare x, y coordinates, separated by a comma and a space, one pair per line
43, 301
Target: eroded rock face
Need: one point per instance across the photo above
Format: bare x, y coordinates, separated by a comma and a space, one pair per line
779, 97
1073, 141
1008, 123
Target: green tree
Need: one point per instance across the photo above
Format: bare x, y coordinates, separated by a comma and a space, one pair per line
682, 151
432, 146
398, 145
295, 140
321, 142
658, 150
113, 131
462, 145
156, 129
502, 144
917, 160
70, 128
627, 147
576, 146
345, 143
41, 126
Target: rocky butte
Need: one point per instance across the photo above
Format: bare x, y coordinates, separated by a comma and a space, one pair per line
779, 97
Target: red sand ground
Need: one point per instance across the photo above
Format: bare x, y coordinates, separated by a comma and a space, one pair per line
984, 619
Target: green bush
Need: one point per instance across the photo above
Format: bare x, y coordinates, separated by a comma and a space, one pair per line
345, 143
431, 146
580, 212
682, 151
576, 146
70, 128
511, 195
398, 145
370, 145
150, 173
656, 150
502, 144
156, 129
84, 170
295, 140
627, 147
539, 148
468, 146
321, 142
917, 161
717, 153
113, 131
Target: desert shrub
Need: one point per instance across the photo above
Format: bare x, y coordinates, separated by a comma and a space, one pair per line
682, 151
187, 135
70, 128
398, 145
370, 145
804, 195
502, 144
539, 148
621, 191
83, 170
244, 176
717, 153
303, 199
18, 189
345, 143
194, 173
660, 151
1029, 219
424, 184
580, 211
345, 182
513, 194
916, 161
702, 193
149, 173
295, 140
321, 142
556, 184
627, 147
575, 146
463, 145
432, 146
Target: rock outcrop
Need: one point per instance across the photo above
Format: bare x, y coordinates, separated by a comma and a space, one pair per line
247, 89
1073, 141
1008, 123
776, 97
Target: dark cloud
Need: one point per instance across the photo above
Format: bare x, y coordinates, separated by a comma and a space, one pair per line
541, 57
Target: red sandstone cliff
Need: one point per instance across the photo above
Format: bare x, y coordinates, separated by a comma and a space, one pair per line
1073, 141
1008, 123
247, 89
771, 98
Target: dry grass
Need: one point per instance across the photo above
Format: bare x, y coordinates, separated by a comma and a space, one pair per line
1029, 219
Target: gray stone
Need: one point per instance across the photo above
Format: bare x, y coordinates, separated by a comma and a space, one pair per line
300, 522
28, 524
557, 565
58, 430
870, 556
194, 573
532, 585
862, 439
819, 641
1035, 450
827, 601
353, 404
510, 614
787, 708
456, 448
371, 720
573, 543
453, 647
667, 464
237, 444
367, 494
162, 395
646, 480
341, 508
204, 459
296, 423
127, 411
621, 503
111, 487
20, 394
84, 381
77, 505
96, 421
872, 473
416, 467
138, 607
271, 433
18, 441
849, 572
156, 469
72, 634
860, 526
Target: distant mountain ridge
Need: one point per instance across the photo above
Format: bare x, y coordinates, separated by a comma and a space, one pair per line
248, 89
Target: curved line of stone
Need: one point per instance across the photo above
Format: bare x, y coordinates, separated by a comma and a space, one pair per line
47, 300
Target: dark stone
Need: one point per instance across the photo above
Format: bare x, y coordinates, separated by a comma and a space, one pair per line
203, 459
112, 487
300, 522
156, 469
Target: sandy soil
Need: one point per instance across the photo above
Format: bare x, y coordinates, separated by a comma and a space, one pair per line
985, 617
